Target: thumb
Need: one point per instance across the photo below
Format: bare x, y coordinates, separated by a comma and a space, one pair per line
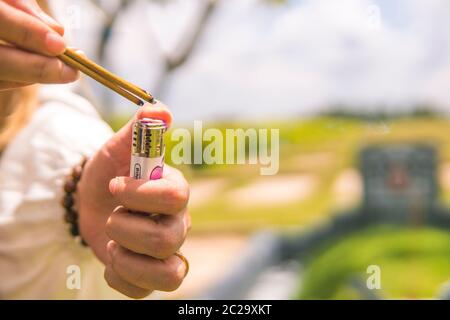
121, 142
156, 111
32, 8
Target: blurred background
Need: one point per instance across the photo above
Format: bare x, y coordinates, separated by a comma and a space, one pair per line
360, 92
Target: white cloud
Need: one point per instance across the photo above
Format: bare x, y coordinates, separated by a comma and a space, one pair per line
259, 61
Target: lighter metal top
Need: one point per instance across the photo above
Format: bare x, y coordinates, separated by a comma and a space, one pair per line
148, 138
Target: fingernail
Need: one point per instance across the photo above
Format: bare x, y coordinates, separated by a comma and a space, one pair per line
113, 185
183, 268
182, 271
111, 248
69, 74
55, 43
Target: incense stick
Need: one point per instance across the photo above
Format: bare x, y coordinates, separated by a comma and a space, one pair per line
109, 75
75, 64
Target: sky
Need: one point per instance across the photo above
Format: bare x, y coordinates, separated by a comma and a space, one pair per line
259, 60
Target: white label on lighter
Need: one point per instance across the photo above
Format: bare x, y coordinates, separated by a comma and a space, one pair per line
146, 168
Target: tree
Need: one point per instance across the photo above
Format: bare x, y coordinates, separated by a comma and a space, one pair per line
183, 50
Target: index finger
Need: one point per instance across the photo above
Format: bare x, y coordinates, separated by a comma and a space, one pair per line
168, 195
28, 32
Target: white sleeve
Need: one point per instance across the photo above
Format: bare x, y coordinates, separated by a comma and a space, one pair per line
35, 244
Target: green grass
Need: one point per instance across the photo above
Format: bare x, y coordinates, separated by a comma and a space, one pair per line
414, 264
340, 139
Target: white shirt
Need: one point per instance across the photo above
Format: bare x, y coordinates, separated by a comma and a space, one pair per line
36, 248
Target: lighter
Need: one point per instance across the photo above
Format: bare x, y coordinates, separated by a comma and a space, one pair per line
147, 155
147, 151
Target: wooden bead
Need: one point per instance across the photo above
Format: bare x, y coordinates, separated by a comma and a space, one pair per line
67, 201
76, 172
71, 216
74, 231
70, 186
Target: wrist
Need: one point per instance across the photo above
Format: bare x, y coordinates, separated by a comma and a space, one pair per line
94, 206
71, 215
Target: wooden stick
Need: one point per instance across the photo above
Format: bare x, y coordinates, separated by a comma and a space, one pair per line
77, 65
109, 75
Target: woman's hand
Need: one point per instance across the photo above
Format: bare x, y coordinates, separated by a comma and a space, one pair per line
30, 40
138, 251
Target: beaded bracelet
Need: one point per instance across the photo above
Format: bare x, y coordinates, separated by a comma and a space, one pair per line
68, 201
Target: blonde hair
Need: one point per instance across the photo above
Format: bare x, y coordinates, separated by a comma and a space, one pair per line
16, 108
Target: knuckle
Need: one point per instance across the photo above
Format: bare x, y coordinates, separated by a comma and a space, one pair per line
109, 281
108, 277
166, 243
41, 69
177, 198
135, 293
25, 34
